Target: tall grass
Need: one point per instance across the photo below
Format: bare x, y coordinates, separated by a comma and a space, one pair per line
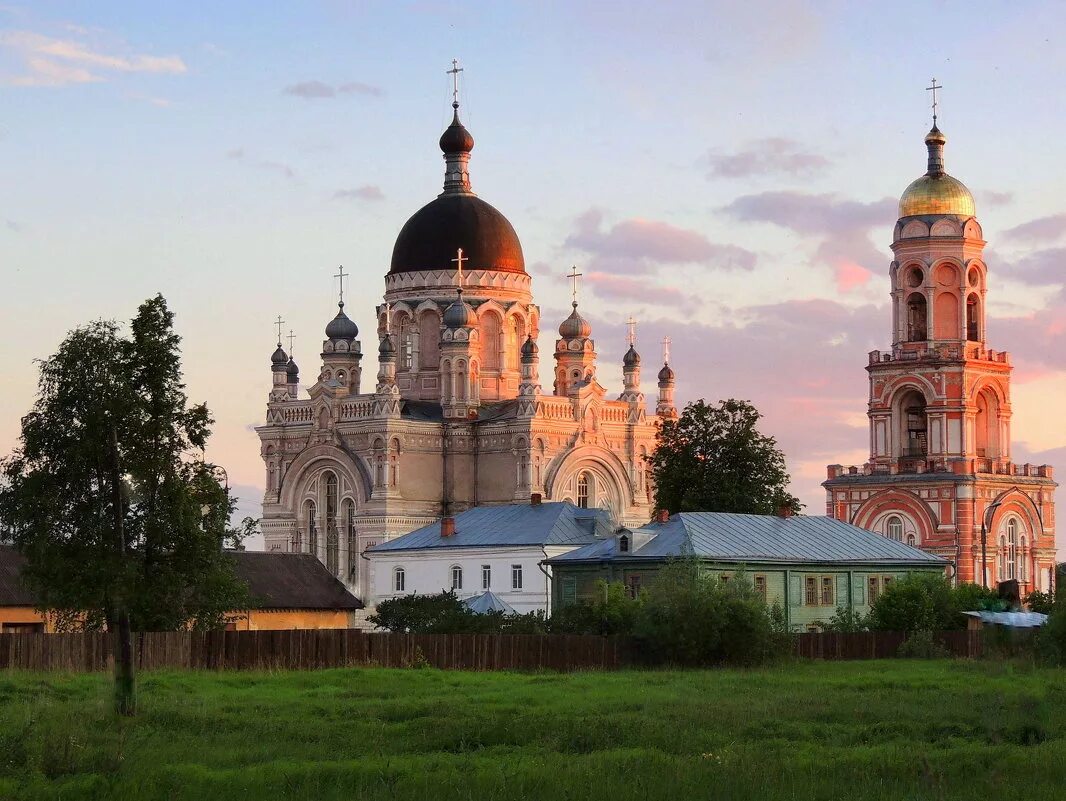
872, 730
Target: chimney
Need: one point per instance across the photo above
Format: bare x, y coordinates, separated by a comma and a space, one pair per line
447, 526
661, 515
784, 509
534, 499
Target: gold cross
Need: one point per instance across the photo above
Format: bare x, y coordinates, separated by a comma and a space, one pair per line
932, 88
279, 323
666, 350
459, 259
454, 72
631, 332
573, 276
340, 276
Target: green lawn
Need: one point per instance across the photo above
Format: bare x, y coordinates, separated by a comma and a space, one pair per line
866, 730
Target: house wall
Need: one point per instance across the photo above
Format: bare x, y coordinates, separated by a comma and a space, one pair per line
278, 619
784, 585
428, 571
16, 618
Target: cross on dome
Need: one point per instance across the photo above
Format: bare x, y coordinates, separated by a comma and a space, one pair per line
631, 331
666, 350
279, 322
573, 275
458, 260
454, 72
292, 336
932, 88
340, 276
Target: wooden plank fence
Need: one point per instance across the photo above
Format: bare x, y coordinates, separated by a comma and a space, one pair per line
313, 649
329, 648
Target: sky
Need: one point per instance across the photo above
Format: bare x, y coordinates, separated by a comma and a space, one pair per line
727, 173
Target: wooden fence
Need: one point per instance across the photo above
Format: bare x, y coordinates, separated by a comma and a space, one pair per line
328, 648
310, 649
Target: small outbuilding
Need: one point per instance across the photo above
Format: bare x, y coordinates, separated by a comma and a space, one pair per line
18, 613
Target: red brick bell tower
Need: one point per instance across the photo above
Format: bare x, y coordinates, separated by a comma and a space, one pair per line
940, 445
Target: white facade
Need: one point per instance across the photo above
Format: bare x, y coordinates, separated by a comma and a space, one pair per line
429, 571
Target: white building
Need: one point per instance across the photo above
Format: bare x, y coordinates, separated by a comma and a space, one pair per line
494, 548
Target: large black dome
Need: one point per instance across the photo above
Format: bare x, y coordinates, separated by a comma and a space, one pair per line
429, 240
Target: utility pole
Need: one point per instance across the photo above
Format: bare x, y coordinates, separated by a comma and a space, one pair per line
125, 689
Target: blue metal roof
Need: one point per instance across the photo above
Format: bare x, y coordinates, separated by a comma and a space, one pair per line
488, 601
558, 523
758, 538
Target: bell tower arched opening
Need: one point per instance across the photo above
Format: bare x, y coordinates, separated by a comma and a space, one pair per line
917, 317
913, 425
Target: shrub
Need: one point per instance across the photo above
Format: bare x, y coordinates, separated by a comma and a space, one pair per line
1042, 602
612, 612
445, 613
922, 645
927, 602
691, 618
845, 621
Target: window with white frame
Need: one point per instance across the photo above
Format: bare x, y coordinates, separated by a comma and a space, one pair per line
457, 577
516, 577
486, 577
1012, 548
583, 490
894, 528
399, 580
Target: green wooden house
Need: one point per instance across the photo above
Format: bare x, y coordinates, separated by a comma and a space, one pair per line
809, 565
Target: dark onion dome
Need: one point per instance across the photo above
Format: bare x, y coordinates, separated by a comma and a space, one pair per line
386, 350
529, 349
456, 139
278, 358
666, 374
460, 314
632, 358
340, 327
575, 326
293, 371
429, 240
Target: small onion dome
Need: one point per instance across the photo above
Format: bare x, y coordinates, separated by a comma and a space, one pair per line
529, 349
456, 139
936, 192
386, 350
575, 326
341, 327
666, 375
632, 358
460, 314
279, 358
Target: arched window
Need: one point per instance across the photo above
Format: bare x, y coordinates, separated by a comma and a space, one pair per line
917, 318
894, 528
623, 544
910, 540
1002, 558
1012, 548
407, 343
457, 577
399, 580
914, 425
490, 341
429, 340
394, 462
312, 527
973, 318
583, 490
353, 542
379, 463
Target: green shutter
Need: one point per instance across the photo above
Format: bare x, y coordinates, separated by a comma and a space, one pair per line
858, 588
795, 591
842, 590
569, 591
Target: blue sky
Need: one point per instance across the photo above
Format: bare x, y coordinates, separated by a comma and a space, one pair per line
725, 172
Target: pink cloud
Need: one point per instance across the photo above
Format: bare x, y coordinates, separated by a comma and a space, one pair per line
1043, 229
850, 275
624, 287
772, 156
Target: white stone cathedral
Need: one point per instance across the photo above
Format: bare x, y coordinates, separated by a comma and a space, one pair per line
457, 417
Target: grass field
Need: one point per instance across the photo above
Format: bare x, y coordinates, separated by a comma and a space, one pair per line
865, 730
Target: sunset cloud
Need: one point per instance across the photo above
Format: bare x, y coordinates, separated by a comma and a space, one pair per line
278, 167
773, 156
1038, 268
634, 245
368, 192
1038, 231
627, 287
317, 90
62, 62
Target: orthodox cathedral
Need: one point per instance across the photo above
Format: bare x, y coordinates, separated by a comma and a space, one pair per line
940, 474
457, 417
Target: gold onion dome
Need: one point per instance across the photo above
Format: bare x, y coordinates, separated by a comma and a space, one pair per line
936, 192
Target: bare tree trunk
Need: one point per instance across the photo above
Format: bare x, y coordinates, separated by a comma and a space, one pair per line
125, 689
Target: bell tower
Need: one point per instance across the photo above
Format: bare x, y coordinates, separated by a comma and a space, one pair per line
940, 474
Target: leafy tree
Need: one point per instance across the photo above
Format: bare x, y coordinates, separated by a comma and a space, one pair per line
845, 621
714, 459
1042, 602
611, 611
927, 602
119, 527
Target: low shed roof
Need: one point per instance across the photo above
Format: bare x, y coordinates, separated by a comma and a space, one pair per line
291, 581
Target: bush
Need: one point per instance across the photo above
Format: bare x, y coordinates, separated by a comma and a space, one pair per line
845, 621
926, 602
691, 618
922, 645
1042, 602
612, 612
445, 613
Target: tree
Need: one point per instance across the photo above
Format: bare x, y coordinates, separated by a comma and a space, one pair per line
119, 526
611, 610
928, 602
714, 459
